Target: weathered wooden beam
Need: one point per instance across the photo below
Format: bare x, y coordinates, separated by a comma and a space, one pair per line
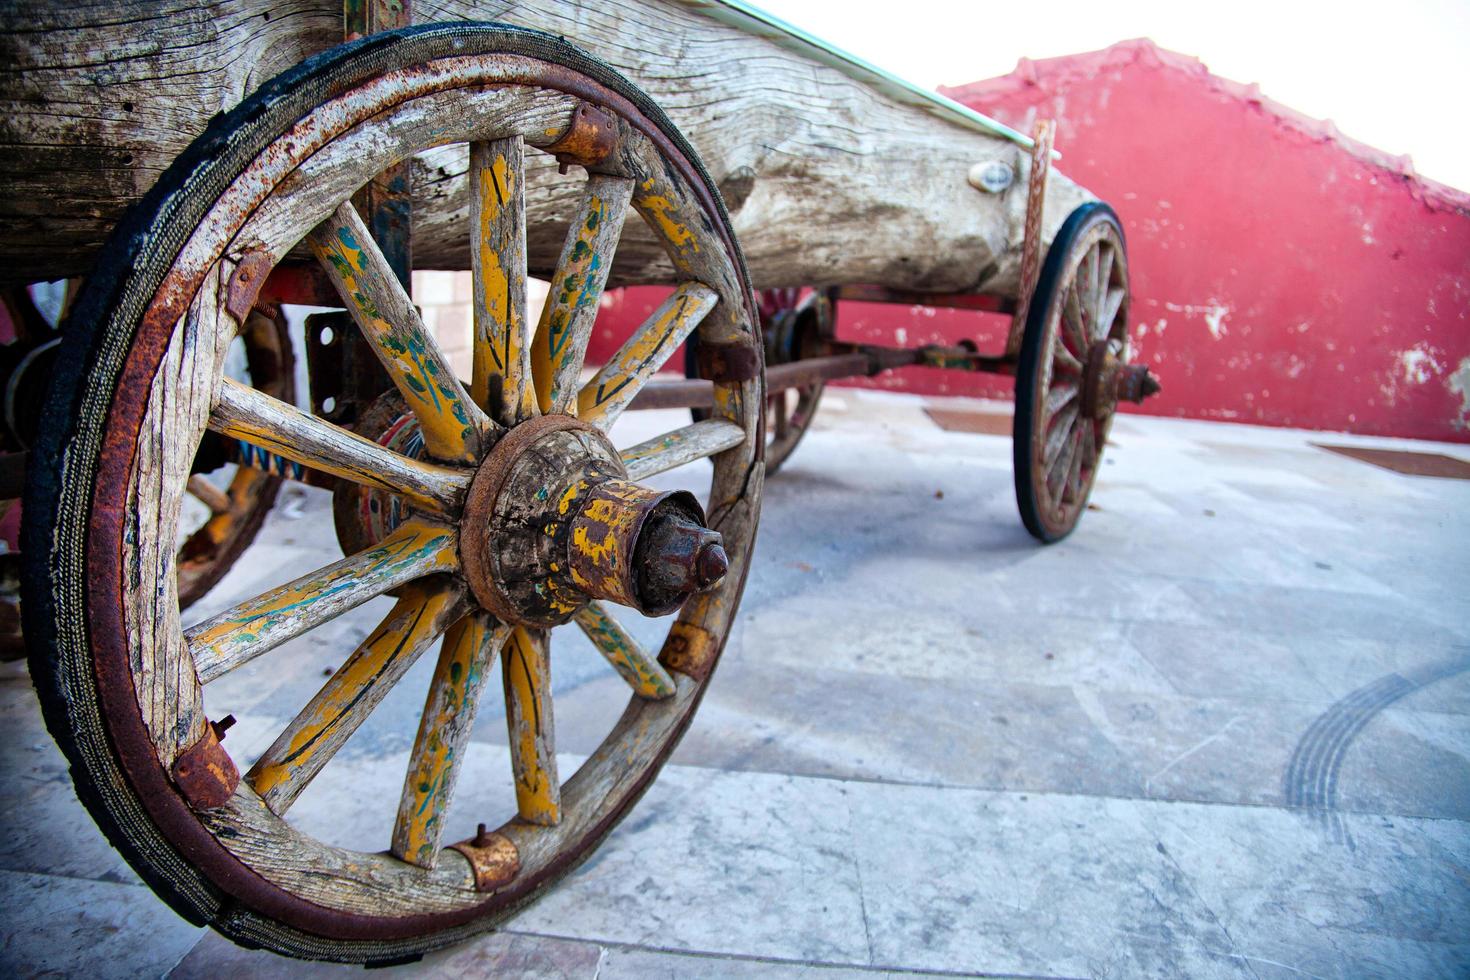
828, 179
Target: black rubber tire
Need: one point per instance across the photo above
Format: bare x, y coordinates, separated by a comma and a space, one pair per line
66, 459
1039, 322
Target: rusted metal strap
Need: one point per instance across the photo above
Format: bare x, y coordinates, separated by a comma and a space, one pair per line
493, 857
728, 363
589, 140
1031, 244
204, 772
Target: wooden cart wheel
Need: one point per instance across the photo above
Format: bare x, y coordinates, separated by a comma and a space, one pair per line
792, 327
1073, 359
511, 511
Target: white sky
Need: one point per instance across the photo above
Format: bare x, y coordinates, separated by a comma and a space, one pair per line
1394, 75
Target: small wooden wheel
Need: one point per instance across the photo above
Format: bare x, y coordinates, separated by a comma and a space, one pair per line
792, 327
234, 513
1073, 363
511, 511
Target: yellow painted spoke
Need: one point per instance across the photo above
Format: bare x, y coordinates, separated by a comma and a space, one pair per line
525, 665
603, 398
465, 659
422, 611
576, 290
245, 631
501, 383
681, 446
452, 424
284, 430
642, 673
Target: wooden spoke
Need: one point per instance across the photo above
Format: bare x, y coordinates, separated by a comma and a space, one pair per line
603, 398
465, 658
1090, 444
571, 306
1059, 396
642, 672
277, 427
526, 670
1111, 304
1073, 327
344, 702
1056, 433
451, 422
208, 494
1087, 274
501, 383
681, 446
1063, 360
782, 417
1071, 486
1059, 472
1100, 324
245, 631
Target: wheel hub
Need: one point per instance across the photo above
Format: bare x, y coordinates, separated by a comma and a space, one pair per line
551, 523
1108, 379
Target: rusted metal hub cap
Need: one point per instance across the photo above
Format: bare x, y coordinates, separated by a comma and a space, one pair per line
551, 522
1107, 380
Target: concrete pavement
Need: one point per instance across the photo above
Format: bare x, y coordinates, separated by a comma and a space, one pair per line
1222, 730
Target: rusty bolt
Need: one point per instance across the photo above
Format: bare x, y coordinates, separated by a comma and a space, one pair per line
678, 557
222, 726
710, 566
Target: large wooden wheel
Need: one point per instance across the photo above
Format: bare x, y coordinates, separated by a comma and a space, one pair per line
505, 512
1073, 369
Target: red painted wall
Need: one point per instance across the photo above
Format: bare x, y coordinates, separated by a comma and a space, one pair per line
1282, 274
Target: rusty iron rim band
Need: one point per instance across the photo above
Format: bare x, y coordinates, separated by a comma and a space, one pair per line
170, 816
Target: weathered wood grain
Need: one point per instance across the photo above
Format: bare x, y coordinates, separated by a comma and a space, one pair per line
640, 671
423, 610
828, 181
352, 881
662, 453
282, 429
526, 670
255, 626
575, 293
501, 382
443, 737
451, 423
168, 690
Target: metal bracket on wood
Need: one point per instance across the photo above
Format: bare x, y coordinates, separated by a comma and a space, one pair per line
493, 858
204, 772
588, 141
1031, 244
728, 363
